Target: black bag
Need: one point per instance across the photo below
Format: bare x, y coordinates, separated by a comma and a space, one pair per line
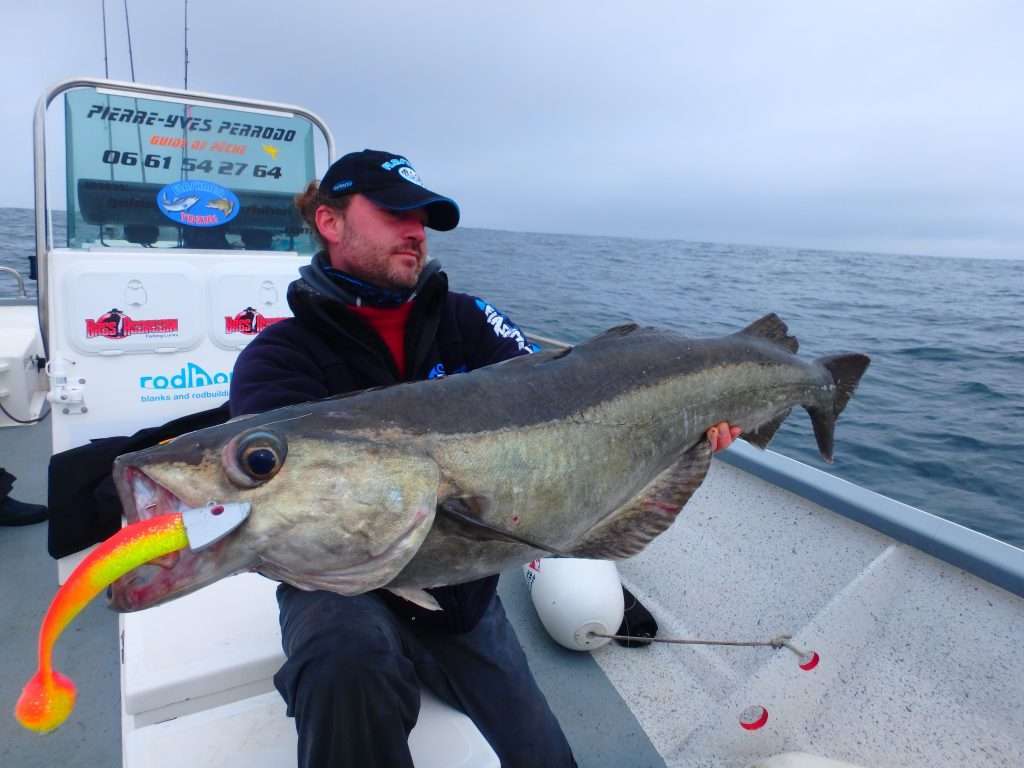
6, 483
637, 622
84, 507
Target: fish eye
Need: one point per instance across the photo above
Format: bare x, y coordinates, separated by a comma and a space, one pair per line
259, 461
254, 457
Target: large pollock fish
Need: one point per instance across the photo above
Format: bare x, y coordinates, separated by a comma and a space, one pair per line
588, 452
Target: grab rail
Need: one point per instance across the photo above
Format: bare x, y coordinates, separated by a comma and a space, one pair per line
22, 293
547, 341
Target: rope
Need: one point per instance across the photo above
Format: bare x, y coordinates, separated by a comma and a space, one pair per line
782, 641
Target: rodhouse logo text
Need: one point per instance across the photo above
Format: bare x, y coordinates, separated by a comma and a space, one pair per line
115, 324
248, 322
192, 376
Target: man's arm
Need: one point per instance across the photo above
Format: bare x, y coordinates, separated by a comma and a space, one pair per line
271, 373
496, 337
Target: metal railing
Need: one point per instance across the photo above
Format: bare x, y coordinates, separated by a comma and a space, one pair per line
547, 341
133, 90
22, 293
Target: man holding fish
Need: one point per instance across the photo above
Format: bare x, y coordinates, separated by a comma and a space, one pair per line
370, 310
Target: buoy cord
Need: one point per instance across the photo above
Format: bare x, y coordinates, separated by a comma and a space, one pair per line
782, 641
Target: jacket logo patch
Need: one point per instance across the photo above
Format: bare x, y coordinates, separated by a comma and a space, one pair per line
438, 371
503, 327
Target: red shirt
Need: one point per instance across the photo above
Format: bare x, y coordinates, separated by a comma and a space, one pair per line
389, 323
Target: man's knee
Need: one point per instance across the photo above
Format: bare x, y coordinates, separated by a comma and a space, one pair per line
354, 697
347, 663
350, 671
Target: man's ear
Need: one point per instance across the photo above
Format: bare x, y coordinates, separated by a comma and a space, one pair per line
331, 223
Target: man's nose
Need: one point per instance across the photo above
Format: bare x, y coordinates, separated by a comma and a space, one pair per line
413, 227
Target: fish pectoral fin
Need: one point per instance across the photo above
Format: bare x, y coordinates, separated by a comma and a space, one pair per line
630, 528
764, 433
419, 597
464, 512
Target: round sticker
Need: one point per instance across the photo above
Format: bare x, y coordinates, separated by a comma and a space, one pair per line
409, 174
197, 203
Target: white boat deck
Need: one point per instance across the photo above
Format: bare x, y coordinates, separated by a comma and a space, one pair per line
920, 662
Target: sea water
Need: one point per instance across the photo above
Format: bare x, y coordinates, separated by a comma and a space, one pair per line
938, 420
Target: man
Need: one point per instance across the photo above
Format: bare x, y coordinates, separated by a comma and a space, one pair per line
370, 311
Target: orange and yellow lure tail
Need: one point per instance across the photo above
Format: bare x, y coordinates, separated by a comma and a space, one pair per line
47, 699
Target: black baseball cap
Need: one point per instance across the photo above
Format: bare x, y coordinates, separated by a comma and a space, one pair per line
390, 181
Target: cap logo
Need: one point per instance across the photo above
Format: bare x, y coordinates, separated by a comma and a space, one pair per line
393, 163
341, 185
409, 174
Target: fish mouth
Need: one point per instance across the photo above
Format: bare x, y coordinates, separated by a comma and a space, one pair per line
148, 498
168, 576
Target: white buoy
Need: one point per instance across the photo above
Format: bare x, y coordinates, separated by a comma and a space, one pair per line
575, 598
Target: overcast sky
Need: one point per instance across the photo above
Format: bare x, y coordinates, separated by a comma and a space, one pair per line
882, 126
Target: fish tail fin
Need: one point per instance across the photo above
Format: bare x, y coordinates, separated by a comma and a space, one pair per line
845, 371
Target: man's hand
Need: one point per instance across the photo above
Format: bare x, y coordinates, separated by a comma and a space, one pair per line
721, 436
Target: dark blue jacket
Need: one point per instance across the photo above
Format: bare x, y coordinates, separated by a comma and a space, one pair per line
327, 350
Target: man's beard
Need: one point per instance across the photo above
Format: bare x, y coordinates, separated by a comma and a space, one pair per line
375, 265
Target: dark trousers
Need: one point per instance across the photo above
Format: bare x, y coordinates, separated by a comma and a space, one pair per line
354, 670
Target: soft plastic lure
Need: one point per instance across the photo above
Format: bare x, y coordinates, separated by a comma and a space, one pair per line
48, 697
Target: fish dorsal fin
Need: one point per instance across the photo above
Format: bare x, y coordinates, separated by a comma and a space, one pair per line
464, 512
615, 332
630, 528
772, 328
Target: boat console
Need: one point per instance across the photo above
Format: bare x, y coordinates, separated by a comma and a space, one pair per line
181, 242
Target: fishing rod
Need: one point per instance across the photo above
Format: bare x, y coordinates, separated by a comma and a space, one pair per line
128, 28
186, 45
131, 65
106, 63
